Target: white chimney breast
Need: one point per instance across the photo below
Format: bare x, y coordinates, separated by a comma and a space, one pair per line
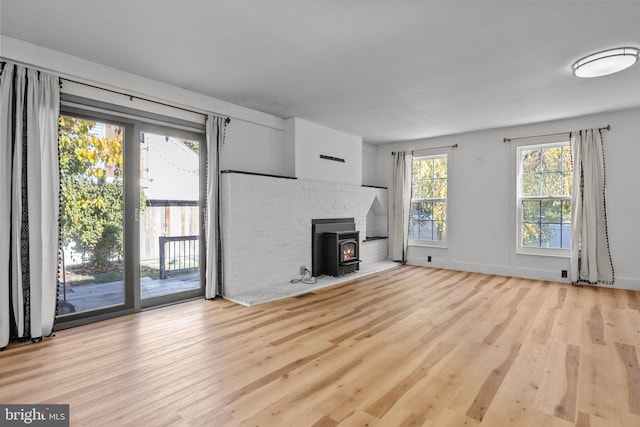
311, 140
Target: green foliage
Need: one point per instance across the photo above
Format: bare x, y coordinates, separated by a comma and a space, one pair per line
90, 214
546, 172
82, 153
91, 188
429, 194
110, 241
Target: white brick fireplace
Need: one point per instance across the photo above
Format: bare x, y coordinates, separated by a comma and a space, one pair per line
266, 223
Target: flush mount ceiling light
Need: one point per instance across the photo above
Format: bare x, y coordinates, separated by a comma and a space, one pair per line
606, 62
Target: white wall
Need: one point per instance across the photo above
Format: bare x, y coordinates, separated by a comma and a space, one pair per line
312, 140
481, 222
252, 148
369, 152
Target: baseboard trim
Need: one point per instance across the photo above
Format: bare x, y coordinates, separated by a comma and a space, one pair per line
525, 273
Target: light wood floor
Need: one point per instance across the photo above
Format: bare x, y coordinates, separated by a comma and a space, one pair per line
406, 347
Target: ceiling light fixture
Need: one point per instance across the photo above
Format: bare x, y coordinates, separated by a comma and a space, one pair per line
606, 62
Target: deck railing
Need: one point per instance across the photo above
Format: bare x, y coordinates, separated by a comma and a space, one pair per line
178, 255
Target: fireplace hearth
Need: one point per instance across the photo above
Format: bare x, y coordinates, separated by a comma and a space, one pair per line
335, 246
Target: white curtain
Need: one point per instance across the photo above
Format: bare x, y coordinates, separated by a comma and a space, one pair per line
401, 201
216, 127
590, 256
29, 202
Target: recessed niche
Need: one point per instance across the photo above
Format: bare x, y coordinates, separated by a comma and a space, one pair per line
376, 220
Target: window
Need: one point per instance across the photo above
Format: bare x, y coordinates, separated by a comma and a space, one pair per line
428, 214
544, 198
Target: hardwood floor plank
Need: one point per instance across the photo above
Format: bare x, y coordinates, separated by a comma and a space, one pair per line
541, 335
618, 328
407, 346
443, 327
325, 421
583, 420
381, 327
629, 358
566, 409
448, 379
367, 326
512, 403
380, 407
596, 325
309, 329
569, 329
490, 387
498, 329
319, 300
594, 380
360, 419
290, 401
633, 300
273, 375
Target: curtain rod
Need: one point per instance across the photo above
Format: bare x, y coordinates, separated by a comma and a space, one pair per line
607, 127
431, 148
131, 97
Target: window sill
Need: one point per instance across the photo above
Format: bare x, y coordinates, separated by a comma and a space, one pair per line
428, 243
551, 252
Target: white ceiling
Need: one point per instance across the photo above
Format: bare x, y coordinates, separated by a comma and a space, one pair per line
385, 70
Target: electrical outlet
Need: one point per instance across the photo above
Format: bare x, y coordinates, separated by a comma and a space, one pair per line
564, 273
428, 258
303, 270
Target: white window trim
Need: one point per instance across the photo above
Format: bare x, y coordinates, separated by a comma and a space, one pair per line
435, 243
429, 243
527, 250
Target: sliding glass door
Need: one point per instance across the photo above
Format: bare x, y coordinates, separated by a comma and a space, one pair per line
130, 211
170, 223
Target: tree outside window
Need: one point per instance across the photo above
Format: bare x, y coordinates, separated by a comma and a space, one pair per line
91, 187
544, 196
428, 214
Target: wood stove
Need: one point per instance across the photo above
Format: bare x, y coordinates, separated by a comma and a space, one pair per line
335, 246
342, 252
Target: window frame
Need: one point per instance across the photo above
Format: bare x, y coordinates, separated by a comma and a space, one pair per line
529, 250
433, 243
